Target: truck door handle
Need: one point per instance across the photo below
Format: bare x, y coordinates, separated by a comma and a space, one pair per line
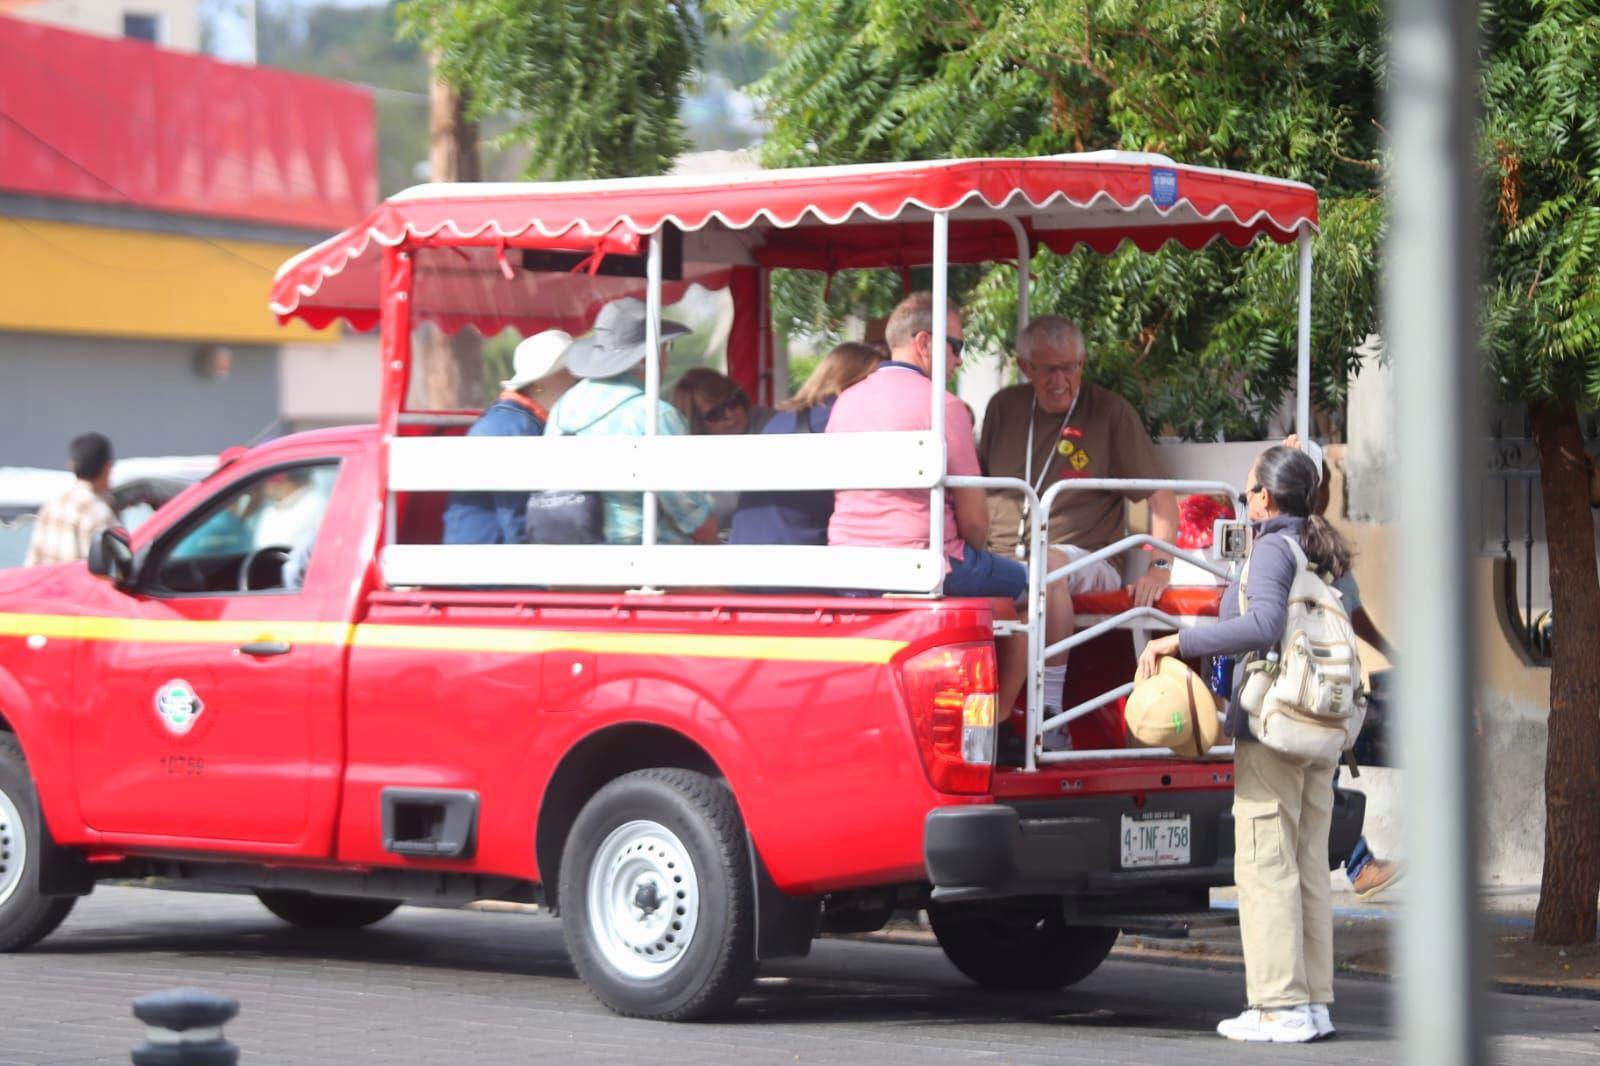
263, 648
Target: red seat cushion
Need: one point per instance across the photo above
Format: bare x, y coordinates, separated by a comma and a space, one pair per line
1187, 600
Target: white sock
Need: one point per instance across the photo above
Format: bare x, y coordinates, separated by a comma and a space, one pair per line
1055, 680
1055, 683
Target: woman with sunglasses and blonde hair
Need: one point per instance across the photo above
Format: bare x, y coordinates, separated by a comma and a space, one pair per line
1282, 808
802, 517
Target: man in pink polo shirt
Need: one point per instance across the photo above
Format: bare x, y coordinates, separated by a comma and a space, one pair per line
897, 396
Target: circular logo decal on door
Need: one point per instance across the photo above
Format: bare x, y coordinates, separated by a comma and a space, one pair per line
178, 706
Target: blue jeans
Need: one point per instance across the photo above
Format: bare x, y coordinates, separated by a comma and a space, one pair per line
983, 573
1359, 855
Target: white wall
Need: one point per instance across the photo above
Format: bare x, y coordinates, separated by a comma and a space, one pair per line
179, 19
325, 384
1370, 418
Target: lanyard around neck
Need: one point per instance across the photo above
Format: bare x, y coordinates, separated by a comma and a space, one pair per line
1027, 464
1044, 472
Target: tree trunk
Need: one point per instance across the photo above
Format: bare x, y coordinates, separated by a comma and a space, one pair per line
452, 367
1571, 883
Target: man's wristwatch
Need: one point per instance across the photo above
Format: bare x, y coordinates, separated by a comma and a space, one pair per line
1161, 564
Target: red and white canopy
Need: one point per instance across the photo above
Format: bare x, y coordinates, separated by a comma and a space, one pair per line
817, 218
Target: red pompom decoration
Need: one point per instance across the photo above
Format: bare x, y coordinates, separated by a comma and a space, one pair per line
1197, 515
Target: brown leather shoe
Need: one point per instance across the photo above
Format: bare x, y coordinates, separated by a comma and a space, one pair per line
1374, 877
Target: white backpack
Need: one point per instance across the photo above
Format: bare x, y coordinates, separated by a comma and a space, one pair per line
1305, 700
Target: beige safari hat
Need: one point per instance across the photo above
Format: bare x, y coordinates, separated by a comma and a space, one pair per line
1174, 709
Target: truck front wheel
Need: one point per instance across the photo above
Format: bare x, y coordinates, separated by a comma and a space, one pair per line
26, 917
310, 911
657, 905
1020, 944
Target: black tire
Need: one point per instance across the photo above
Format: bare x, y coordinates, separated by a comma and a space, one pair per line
26, 916
642, 827
310, 911
1021, 944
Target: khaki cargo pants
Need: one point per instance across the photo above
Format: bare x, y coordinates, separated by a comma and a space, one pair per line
1282, 813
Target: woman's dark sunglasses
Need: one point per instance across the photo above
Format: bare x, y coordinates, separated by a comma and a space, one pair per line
721, 411
1244, 497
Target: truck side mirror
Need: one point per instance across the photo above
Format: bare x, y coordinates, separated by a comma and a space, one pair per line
1230, 540
111, 555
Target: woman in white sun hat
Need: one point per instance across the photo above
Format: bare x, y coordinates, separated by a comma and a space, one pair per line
539, 377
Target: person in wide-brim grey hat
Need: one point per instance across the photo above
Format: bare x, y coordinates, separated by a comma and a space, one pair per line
617, 342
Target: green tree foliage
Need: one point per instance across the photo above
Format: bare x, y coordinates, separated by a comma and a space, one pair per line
1542, 147
594, 88
1541, 150
1282, 90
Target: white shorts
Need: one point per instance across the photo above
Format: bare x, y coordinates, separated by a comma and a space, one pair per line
1098, 577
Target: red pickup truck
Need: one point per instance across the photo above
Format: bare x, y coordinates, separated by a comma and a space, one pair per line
242, 694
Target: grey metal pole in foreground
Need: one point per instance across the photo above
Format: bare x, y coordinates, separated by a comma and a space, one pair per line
1430, 305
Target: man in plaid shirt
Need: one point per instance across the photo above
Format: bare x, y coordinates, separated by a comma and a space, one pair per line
68, 524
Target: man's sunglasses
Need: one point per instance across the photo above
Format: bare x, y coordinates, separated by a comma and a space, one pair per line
956, 343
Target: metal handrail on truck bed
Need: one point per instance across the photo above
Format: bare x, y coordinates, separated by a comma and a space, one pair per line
1137, 618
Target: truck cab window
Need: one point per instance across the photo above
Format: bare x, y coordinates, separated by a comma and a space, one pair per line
258, 536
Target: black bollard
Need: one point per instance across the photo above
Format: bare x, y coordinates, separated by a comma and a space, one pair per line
185, 1028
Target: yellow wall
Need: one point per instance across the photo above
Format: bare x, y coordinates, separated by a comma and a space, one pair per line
1500, 666
58, 277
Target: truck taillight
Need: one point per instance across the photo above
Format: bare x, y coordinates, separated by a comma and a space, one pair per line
951, 694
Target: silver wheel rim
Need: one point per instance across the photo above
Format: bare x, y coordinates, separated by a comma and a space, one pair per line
644, 899
13, 848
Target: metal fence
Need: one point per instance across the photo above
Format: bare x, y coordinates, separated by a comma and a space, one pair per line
1512, 527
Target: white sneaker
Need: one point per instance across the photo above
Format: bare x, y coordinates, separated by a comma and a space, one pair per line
1283, 1025
1322, 1020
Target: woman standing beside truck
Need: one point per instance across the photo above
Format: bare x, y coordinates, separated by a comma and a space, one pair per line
1282, 809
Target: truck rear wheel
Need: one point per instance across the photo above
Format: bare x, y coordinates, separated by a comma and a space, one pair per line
656, 898
1020, 944
311, 911
26, 916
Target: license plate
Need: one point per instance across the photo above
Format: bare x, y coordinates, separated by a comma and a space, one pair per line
1155, 841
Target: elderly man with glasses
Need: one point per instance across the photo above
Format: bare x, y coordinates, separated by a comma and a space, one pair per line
1053, 427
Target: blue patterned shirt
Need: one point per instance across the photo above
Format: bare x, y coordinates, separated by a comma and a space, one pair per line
616, 407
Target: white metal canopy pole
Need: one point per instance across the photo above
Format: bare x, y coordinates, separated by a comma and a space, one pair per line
652, 368
770, 354
1024, 271
1429, 304
941, 373
1302, 402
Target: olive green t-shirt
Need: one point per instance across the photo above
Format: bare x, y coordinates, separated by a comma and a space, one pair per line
1103, 438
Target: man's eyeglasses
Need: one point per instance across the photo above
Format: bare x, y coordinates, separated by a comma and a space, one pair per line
1056, 370
722, 411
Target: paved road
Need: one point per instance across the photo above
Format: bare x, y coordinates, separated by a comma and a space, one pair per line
434, 986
